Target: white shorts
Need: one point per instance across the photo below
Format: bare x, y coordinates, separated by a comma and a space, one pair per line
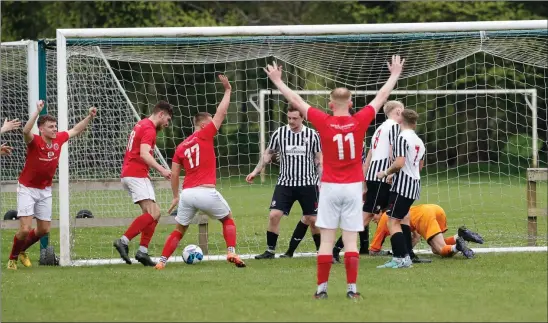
34, 202
140, 188
205, 199
340, 206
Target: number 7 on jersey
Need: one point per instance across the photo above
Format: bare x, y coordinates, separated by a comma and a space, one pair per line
340, 145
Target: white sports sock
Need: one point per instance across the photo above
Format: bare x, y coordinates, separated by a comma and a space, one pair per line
351, 288
454, 248
322, 288
143, 249
125, 240
231, 249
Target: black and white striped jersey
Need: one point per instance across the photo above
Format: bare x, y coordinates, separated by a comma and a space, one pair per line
381, 147
407, 182
297, 151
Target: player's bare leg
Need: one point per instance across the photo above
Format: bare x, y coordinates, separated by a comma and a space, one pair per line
299, 233
144, 224
351, 262
272, 232
324, 261
172, 242
364, 239
229, 233
439, 247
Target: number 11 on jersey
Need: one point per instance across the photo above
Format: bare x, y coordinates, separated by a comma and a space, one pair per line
348, 137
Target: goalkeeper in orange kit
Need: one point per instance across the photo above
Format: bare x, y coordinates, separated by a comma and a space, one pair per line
429, 222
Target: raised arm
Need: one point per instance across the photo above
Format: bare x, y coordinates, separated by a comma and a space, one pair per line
10, 125
395, 70
27, 129
274, 72
222, 109
82, 125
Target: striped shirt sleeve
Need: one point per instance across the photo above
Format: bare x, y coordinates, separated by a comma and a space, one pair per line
400, 148
274, 143
316, 144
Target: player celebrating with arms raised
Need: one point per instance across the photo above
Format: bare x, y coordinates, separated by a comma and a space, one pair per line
34, 193
409, 151
341, 136
196, 154
135, 179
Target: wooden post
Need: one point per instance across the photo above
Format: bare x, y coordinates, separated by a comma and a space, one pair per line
203, 234
533, 176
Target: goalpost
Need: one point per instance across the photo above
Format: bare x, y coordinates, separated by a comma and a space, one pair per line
476, 85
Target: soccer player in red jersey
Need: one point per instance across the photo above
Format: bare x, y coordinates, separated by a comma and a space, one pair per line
341, 136
139, 157
196, 155
34, 196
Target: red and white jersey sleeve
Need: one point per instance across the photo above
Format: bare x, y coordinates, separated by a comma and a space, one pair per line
144, 132
341, 138
197, 156
42, 161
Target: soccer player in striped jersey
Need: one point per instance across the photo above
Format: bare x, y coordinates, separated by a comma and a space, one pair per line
300, 162
409, 152
378, 159
429, 221
196, 155
340, 201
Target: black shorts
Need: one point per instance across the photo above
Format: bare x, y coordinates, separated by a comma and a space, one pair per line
284, 197
376, 197
398, 206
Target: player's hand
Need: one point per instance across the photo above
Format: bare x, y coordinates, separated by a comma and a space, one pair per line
10, 125
389, 178
5, 150
93, 112
397, 65
250, 178
39, 105
174, 203
166, 173
381, 175
274, 71
225, 82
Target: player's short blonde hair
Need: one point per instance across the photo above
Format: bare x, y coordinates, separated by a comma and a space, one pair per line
340, 95
200, 117
410, 117
391, 105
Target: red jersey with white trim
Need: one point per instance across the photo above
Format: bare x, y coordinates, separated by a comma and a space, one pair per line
42, 161
197, 155
341, 138
144, 132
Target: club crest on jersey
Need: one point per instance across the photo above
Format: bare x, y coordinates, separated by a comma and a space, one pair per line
273, 203
56, 146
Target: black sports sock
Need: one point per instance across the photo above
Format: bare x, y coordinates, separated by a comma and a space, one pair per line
364, 240
406, 230
317, 240
271, 240
339, 245
298, 235
398, 245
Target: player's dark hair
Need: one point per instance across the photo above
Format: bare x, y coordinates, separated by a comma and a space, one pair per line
200, 116
410, 117
163, 106
45, 118
291, 108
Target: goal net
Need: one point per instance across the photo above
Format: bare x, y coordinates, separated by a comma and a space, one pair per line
482, 118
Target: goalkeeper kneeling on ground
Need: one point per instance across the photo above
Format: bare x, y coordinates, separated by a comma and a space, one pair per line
429, 222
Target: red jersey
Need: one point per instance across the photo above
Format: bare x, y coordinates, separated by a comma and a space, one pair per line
42, 161
197, 155
342, 139
144, 132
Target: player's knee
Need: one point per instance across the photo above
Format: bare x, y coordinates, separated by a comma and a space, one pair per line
154, 210
309, 220
275, 216
24, 230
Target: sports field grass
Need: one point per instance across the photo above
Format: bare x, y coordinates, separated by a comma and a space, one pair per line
492, 287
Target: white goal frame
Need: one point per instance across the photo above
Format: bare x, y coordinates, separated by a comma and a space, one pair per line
62, 90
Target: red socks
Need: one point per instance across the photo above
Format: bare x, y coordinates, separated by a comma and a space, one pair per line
324, 267
147, 234
351, 263
31, 239
16, 248
450, 241
229, 232
138, 225
172, 242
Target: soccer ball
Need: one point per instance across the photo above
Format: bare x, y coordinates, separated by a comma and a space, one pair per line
192, 254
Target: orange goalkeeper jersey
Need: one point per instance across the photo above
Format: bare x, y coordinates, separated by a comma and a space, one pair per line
427, 219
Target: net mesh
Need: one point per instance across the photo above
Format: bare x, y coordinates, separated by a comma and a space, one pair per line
478, 145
